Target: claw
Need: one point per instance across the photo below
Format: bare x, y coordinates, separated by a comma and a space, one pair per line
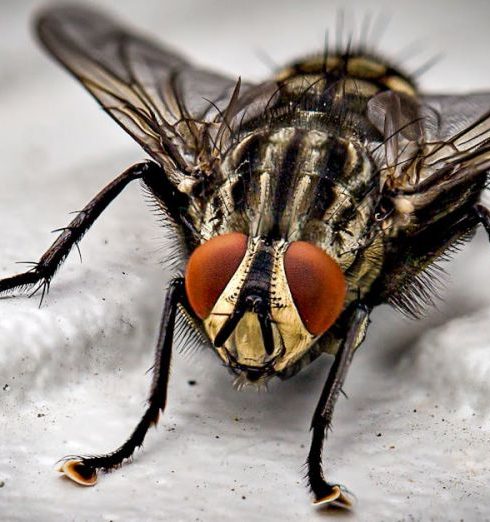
336, 496
80, 473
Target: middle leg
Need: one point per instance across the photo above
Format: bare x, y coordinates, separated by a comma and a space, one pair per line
40, 276
483, 214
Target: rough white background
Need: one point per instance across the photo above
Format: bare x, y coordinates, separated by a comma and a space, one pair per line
413, 440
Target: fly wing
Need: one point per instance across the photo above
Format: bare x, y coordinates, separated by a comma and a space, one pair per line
433, 186
165, 103
456, 138
457, 113
431, 143
457, 132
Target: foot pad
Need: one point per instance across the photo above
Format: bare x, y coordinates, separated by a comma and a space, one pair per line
337, 496
77, 471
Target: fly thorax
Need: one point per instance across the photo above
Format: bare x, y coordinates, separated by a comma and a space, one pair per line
293, 183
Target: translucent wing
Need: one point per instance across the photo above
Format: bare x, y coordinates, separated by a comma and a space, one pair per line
449, 136
440, 161
454, 114
459, 126
170, 107
457, 139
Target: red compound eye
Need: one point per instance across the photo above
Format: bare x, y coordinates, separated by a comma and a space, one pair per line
317, 285
210, 268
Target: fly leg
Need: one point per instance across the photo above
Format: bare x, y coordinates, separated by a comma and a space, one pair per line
483, 214
83, 470
40, 276
324, 492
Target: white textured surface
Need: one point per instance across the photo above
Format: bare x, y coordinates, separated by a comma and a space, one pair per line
413, 441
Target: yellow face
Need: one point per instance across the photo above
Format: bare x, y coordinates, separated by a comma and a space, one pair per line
245, 346
263, 304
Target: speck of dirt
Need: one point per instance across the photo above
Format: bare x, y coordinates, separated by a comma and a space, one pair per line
379, 434
191, 382
2, 483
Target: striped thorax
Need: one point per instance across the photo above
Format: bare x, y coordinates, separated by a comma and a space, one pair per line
302, 175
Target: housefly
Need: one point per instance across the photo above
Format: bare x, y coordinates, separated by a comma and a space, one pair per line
300, 203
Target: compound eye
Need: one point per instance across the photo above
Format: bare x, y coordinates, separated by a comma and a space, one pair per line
210, 268
317, 285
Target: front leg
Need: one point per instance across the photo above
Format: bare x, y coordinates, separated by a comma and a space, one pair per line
324, 492
83, 470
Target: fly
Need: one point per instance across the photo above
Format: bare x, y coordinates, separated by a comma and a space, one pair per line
301, 203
